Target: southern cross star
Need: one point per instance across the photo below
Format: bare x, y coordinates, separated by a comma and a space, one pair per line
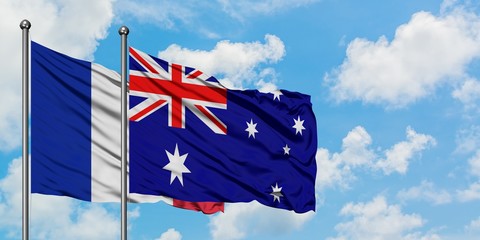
286, 150
276, 94
176, 165
251, 128
298, 125
276, 192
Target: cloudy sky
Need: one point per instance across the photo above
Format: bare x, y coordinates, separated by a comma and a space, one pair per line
395, 89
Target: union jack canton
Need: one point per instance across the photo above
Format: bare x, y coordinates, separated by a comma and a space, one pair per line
178, 87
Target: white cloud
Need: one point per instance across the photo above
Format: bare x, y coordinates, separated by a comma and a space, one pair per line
468, 140
411, 66
470, 194
473, 226
243, 219
355, 150
93, 222
474, 163
11, 196
420, 236
161, 12
170, 234
448, 5
337, 168
67, 26
73, 27
243, 68
468, 94
133, 214
470, 231
398, 157
333, 171
53, 217
242, 9
170, 14
377, 220
187, 14
425, 191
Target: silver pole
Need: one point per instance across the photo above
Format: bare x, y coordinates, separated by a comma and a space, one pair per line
123, 31
25, 26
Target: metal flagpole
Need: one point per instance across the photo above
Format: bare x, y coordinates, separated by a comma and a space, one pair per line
25, 26
123, 31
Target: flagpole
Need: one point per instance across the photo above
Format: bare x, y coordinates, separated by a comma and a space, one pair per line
25, 26
123, 31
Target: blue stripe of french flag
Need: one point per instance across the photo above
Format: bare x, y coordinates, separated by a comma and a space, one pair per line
75, 131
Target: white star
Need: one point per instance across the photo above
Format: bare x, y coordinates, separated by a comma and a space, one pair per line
298, 125
276, 94
251, 128
176, 165
276, 192
286, 149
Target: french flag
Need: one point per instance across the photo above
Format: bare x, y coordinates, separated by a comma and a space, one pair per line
75, 132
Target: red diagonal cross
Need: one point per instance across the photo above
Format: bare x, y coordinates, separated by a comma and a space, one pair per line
178, 91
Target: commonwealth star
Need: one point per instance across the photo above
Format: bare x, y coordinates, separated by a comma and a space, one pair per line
176, 165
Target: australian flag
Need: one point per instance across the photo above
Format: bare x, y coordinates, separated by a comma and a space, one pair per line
195, 140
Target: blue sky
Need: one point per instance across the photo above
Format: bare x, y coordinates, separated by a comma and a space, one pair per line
395, 89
